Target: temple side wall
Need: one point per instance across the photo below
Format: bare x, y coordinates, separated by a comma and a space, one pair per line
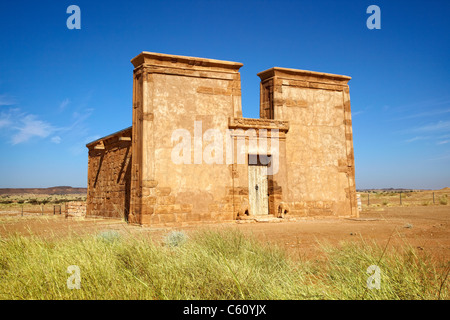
109, 177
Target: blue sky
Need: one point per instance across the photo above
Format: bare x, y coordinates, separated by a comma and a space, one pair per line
61, 88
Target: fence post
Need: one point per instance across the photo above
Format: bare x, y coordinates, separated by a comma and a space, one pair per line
368, 198
22, 210
400, 198
42, 209
433, 199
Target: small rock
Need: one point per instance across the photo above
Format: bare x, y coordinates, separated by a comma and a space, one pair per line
408, 225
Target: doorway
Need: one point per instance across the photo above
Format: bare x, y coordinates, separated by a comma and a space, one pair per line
258, 185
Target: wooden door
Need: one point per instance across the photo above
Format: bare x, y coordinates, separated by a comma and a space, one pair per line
257, 190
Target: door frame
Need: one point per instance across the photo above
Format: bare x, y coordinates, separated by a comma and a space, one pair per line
255, 160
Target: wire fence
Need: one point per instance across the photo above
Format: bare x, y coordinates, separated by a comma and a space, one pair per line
408, 198
33, 210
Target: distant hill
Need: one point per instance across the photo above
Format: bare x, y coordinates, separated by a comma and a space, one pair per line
51, 191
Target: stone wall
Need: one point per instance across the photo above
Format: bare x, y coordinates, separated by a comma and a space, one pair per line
181, 93
109, 176
319, 144
76, 209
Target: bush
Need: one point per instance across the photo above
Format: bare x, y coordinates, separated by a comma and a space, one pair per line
175, 239
109, 236
61, 201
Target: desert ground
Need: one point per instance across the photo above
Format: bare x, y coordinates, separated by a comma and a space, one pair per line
421, 221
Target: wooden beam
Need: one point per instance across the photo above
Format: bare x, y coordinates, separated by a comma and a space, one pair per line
125, 139
100, 146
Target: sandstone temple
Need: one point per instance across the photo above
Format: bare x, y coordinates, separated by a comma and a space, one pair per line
191, 156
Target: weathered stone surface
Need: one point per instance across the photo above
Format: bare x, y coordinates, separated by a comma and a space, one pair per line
309, 113
76, 209
319, 144
109, 176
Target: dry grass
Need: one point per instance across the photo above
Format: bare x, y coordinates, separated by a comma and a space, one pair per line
207, 265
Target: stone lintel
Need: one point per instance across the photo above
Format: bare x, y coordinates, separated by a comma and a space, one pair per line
249, 123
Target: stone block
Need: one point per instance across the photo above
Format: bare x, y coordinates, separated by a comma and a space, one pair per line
186, 207
163, 191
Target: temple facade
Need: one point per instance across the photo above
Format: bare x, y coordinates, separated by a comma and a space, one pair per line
191, 156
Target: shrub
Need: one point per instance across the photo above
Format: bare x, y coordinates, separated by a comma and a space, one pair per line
175, 238
109, 236
33, 201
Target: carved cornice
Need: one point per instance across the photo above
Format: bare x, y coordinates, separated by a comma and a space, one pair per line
304, 75
249, 123
176, 61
